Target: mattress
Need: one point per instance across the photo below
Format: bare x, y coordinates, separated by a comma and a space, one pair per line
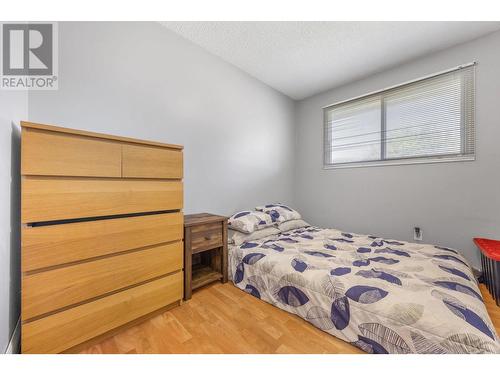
381, 295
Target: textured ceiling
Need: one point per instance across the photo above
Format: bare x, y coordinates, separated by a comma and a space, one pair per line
301, 59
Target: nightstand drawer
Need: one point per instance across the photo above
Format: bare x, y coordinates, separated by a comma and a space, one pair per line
207, 236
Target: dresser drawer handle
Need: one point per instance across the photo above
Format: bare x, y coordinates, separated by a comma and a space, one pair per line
208, 238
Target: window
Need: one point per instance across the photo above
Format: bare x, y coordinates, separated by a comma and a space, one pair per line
431, 119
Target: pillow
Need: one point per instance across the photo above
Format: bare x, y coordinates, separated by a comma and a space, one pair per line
279, 212
292, 224
238, 238
249, 221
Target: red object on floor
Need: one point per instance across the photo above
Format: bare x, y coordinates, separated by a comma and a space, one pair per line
490, 248
490, 262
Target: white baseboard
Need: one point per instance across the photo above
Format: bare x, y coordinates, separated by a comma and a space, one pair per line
15, 341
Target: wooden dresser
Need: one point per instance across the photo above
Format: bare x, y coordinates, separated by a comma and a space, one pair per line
102, 234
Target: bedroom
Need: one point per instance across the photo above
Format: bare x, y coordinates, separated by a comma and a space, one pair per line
344, 193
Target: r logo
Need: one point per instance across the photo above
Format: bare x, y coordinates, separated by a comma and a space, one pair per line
27, 49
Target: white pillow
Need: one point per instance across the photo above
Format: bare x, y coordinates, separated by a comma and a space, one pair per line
238, 238
279, 212
292, 224
249, 221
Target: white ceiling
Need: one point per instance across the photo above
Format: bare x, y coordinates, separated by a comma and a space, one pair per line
301, 59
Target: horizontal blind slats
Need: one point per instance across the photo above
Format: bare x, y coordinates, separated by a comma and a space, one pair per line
431, 117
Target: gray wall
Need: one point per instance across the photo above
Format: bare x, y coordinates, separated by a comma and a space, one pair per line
452, 202
142, 80
13, 108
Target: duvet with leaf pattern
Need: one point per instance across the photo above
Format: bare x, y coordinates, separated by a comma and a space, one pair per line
383, 296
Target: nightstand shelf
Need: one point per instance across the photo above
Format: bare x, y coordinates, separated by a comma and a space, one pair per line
202, 275
205, 251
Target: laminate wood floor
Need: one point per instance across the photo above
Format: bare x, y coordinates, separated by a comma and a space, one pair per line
221, 318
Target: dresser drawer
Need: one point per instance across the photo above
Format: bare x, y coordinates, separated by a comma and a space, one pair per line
51, 290
206, 236
151, 162
63, 330
49, 198
53, 245
58, 154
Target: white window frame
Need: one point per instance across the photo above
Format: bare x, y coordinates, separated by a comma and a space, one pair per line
401, 161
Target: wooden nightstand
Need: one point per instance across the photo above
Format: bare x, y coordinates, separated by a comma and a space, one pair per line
205, 251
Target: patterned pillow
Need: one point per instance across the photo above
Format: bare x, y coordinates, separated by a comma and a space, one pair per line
279, 212
237, 238
249, 221
292, 224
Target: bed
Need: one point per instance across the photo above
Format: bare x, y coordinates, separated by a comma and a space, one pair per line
383, 296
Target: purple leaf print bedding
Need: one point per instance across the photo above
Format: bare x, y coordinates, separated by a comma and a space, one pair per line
381, 295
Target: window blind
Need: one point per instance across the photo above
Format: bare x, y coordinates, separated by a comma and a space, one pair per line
427, 119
